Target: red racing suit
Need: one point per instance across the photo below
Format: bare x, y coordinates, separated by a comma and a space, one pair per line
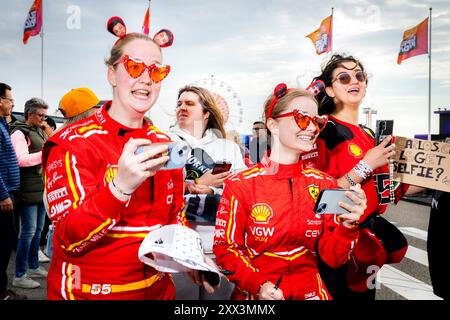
266, 227
340, 147
96, 236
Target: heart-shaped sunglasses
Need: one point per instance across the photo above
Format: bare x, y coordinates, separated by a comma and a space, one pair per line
303, 120
136, 68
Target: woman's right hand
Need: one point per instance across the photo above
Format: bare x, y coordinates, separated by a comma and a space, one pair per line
379, 156
268, 292
134, 169
213, 180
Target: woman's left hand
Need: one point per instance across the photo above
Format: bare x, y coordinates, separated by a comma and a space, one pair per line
351, 219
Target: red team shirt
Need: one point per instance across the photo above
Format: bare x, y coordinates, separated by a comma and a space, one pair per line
96, 237
266, 227
340, 146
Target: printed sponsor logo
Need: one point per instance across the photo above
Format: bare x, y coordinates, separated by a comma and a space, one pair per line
314, 222
99, 116
312, 233
408, 45
224, 201
60, 207
354, 150
261, 213
170, 184
169, 199
110, 173
54, 165
65, 133
262, 231
221, 222
219, 233
53, 179
221, 210
57, 194
313, 191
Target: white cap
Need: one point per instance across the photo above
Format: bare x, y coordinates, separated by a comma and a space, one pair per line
174, 248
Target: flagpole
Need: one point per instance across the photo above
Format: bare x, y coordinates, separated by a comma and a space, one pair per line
42, 49
332, 28
429, 82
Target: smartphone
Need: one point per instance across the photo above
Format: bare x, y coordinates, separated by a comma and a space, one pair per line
384, 128
328, 200
178, 153
220, 167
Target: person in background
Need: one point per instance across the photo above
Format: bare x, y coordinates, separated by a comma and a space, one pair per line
28, 138
259, 143
104, 196
267, 234
116, 26
49, 126
200, 124
78, 104
9, 184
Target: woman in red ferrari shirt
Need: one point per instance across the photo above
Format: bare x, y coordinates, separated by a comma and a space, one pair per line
347, 152
267, 235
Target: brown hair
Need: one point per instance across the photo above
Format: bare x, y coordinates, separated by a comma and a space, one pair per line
117, 49
337, 60
282, 102
209, 104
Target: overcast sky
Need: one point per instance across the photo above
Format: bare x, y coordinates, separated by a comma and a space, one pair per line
247, 45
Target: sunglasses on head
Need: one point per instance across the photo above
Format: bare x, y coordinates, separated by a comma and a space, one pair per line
345, 77
136, 68
303, 120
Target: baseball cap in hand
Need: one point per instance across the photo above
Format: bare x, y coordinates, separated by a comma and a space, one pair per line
77, 101
175, 248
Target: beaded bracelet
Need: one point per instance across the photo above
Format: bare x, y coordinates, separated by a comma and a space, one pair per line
120, 190
349, 180
391, 181
363, 170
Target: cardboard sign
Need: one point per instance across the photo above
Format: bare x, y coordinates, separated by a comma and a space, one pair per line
423, 163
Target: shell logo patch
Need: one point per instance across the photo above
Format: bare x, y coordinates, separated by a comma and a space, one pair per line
354, 150
261, 213
111, 171
313, 191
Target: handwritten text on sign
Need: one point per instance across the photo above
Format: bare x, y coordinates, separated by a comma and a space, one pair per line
423, 163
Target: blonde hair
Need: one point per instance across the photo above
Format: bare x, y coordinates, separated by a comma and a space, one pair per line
209, 104
117, 50
283, 102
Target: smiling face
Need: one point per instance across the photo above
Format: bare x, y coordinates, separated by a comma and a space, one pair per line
6, 103
119, 29
350, 94
287, 133
161, 38
137, 95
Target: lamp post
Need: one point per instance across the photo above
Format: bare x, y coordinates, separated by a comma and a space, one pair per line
369, 112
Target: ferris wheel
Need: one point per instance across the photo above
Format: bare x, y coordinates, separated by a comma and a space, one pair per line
227, 98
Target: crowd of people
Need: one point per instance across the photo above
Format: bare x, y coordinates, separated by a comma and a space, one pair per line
256, 216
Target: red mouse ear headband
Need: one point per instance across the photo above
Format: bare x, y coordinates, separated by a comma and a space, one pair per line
316, 87
116, 26
279, 92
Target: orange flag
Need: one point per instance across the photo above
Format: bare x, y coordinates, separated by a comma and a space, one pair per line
33, 23
146, 23
415, 42
321, 38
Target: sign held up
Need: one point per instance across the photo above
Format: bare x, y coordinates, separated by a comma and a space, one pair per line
423, 163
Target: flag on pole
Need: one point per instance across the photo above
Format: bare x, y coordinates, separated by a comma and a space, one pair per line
414, 42
146, 23
321, 38
33, 23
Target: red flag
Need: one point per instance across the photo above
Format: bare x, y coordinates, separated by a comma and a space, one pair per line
146, 23
321, 38
33, 23
415, 42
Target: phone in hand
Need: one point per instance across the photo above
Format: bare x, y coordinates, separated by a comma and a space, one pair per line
178, 153
328, 201
220, 167
384, 128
